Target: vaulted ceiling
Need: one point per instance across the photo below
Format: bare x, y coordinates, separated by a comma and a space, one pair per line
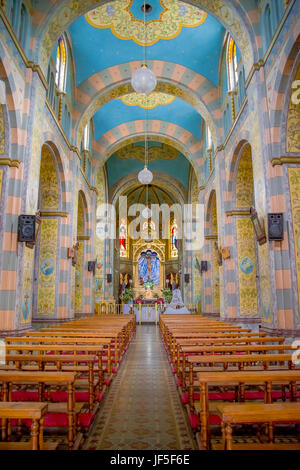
182, 44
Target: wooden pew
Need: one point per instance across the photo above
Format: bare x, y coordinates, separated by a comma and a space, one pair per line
10, 378
58, 348
240, 379
62, 363
33, 411
241, 413
237, 360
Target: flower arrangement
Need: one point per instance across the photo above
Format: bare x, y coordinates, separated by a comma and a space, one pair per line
128, 295
167, 293
149, 284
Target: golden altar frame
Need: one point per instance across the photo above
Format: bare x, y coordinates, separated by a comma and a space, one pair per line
137, 248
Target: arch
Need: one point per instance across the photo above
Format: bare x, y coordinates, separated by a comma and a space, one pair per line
109, 141
279, 100
173, 79
82, 233
163, 180
245, 237
49, 139
211, 247
227, 12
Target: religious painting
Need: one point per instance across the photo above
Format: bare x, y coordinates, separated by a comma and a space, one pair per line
123, 239
174, 240
149, 267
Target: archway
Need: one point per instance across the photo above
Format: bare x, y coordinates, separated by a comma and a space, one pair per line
212, 240
80, 270
245, 237
46, 252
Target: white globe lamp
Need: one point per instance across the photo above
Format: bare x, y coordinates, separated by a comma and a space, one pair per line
145, 176
143, 80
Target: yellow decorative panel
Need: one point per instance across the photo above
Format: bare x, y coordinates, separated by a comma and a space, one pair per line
246, 267
1, 177
48, 181
26, 304
264, 283
244, 181
79, 278
294, 180
215, 278
118, 17
80, 219
149, 101
2, 131
47, 268
197, 282
166, 152
214, 220
293, 120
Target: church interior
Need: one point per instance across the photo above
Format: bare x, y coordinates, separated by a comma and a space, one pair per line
150, 224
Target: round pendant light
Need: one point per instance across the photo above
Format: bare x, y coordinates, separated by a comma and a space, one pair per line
143, 80
145, 176
147, 213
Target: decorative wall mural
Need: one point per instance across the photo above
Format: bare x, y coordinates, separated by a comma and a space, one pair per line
215, 278
48, 181
149, 101
165, 152
294, 180
2, 131
26, 304
1, 178
26, 299
244, 182
47, 267
293, 121
247, 271
247, 265
118, 17
47, 271
79, 278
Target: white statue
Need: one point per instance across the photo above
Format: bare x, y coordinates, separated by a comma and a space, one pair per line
176, 305
176, 299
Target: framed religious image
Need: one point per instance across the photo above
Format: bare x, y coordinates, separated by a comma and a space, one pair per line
258, 227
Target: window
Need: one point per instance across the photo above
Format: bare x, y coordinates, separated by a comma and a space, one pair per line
61, 64
268, 25
123, 239
13, 14
23, 26
208, 138
232, 64
86, 137
241, 86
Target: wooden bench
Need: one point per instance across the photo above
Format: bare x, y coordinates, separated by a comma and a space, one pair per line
237, 360
62, 363
10, 378
240, 378
241, 413
33, 411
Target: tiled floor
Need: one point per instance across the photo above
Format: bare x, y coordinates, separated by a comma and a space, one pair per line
142, 409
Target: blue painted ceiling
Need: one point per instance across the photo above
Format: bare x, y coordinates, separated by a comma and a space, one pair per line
197, 48
117, 168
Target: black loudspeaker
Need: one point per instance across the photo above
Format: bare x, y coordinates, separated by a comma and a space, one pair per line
275, 226
187, 278
109, 278
26, 228
92, 266
203, 265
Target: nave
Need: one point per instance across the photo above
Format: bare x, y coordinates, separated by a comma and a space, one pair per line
189, 383
142, 409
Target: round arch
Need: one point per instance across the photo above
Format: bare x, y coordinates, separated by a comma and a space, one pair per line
226, 12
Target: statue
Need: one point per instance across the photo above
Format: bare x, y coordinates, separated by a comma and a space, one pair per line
176, 305
176, 299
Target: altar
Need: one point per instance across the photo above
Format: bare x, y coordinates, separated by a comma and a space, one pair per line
145, 313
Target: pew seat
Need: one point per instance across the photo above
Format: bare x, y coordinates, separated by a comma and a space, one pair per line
26, 446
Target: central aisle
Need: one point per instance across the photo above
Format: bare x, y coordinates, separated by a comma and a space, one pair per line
142, 409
